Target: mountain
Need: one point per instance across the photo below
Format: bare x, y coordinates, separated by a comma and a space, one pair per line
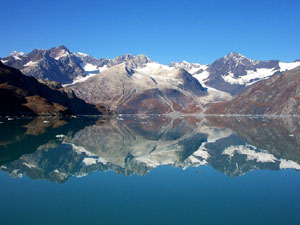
61, 65
56, 64
22, 94
279, 94
136, 84
139, 85
192, 68
234, 73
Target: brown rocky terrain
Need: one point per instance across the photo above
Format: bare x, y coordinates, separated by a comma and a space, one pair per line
278, 95
23, 95
149, 89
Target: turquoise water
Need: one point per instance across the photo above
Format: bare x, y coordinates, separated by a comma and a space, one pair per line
150, 170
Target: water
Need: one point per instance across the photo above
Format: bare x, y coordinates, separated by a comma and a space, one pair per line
150, 170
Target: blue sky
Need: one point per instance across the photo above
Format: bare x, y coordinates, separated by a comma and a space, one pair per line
165, 30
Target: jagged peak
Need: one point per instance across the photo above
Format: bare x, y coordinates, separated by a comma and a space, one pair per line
183, 62
62, 47
238, 58
234, 55
82, 54
16, 53
143, 57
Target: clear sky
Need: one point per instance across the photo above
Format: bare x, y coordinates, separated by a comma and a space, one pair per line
165, 30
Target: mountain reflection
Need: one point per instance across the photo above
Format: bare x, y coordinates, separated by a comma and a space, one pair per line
56, 149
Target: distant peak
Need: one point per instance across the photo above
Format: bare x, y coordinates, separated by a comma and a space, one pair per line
142, 56
16, 53
81, 54
62, 47
234, 55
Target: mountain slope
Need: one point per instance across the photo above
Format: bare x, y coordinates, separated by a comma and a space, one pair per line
61, 65
56, 64
234, 73
278, 95
145, 87
21, 95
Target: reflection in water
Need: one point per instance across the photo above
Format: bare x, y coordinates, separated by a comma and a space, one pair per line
58, 149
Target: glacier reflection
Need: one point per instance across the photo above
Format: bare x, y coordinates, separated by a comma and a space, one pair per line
56, 149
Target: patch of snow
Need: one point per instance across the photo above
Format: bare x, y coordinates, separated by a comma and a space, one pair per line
4, 61
82, 150
194, 161
250, 152
202, 153
251, 77
191, 68
81, 54
158, 72
288, 66
80, 79
289, 164
92, 161
60, 136
89, 161
101, 69
29, 165
31, 63
16, 55
90, 73
88, 67
155, 68
202, 77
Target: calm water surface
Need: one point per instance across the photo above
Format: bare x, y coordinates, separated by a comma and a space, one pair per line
150, 170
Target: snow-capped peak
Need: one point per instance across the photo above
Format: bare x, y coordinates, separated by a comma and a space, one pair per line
192, 68
81, 54
235, 56
17, 55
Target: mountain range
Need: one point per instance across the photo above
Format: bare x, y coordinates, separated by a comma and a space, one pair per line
136, 84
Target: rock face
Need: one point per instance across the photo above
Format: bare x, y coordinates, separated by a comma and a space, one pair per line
56, 64
60, 65
21, 95
141, 86
278, 95
234, 73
